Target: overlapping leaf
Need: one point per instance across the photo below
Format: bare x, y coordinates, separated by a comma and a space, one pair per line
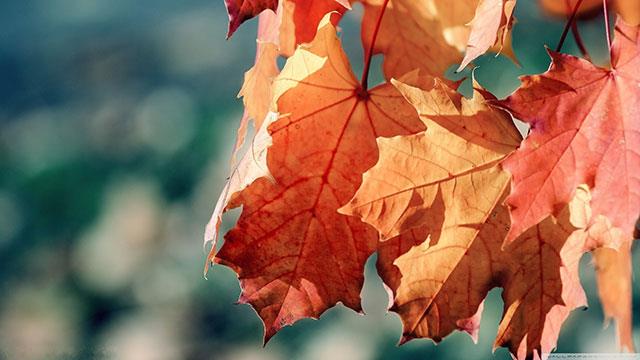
435, 196
445, 282
611, 250
410, 35
490, 27
294, 254
613, 274
300, 20
252, 166
585, 128
256, 90
295, 22
439, 286
433, 193
429, 34
451, 168
242, 10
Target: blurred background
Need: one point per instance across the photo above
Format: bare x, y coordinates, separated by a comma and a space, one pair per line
116, 123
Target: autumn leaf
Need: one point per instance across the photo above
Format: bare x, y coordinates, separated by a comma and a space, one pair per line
430, 34
242, 10
294, 254
438, 286
611, 250
585, 128
409, 35
301, 19
295, 22
490, 27
613, 275
256, 87
448, 253
629, 10
446, 281
256, 90
451, 167
420, 174
252, 166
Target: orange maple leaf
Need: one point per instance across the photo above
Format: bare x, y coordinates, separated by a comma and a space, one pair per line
452, 167
429, 35
613, 275
294, 22
256, 90
444, 282
252, 166
611, 250
294, 254
490, 27
410, 35
441, 185
300, 20
438, 285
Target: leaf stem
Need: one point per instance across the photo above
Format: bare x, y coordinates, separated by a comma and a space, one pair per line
367, 62
576, 33
606, 24
579, 42
567, 26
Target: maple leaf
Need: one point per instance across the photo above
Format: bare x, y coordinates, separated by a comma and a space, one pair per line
242, 10
445, 282
611, 249
409, 35
252, 166
388, 252
256, 87
295, 22
294, 254
490, 27
434, 196
301, 19
453, 165
439, 286
629, 10
585, 128
429, 34
613, 275
291, 22
256, 90
442, 185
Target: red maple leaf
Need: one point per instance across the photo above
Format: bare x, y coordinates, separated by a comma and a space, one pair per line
585, 129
